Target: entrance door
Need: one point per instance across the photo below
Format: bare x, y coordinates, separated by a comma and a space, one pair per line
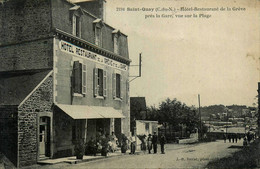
44, 136
118, 128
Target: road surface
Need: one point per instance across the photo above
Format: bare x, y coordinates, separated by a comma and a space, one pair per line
177, 156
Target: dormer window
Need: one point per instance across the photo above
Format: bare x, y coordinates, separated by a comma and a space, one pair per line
75, 13
116, 44
98, 24
98, 36
116, 35
76, 25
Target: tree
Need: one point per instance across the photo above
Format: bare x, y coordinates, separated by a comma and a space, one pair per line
176, 114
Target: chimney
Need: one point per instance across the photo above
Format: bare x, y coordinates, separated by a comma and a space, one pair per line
95, 7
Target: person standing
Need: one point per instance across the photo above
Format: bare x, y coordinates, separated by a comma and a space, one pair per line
224, 137
149, 143
113, 140
124, 143
162, 142
143, 144
236, 137
104, 143
133, 141
154, 141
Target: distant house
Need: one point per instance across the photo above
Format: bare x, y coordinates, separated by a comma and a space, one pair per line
146, 127
137, 110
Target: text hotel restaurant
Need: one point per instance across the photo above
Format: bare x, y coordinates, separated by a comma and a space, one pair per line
64, 75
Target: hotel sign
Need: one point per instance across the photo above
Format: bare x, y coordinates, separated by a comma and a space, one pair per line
78, 51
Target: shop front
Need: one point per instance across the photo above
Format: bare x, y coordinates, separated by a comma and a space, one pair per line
86, 123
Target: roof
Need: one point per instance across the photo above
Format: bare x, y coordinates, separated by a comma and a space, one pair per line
146, 121
138, 103
15, 86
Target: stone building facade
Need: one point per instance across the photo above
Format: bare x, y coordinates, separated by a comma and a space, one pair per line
64, 76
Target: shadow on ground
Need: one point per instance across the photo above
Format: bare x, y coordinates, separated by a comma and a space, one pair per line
248, 157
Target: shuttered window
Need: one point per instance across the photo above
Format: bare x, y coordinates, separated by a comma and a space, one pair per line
100, 82
117, 86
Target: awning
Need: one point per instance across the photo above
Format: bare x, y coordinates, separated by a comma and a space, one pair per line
90, 112
108, 112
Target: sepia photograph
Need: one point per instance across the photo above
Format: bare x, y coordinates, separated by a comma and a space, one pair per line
138, 84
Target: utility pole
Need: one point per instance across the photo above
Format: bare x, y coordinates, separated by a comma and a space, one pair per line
200, 118
258, 120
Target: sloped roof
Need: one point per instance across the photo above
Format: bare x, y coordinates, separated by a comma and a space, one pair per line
14, 87
138, 103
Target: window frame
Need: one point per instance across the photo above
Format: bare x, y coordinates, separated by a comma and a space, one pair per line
98, 39
117, 96
116, 43
76, 25
100, 91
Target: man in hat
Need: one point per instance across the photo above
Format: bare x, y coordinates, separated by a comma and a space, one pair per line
154, 141
149, 143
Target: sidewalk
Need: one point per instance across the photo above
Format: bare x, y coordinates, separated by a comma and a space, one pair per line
69, 161
59, 162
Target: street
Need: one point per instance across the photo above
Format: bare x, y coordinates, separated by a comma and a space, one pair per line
177, 156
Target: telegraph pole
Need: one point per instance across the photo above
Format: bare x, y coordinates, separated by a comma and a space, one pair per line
258, 101
200, 118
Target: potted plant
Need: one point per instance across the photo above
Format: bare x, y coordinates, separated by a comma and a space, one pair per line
79, 149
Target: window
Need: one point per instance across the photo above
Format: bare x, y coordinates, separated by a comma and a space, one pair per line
116, 49
118, 91
76, 25
100, 82
98, 36
79, 78
117, 86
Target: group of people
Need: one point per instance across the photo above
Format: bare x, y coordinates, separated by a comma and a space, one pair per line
247, 138
151, 143
106, 143
234, 137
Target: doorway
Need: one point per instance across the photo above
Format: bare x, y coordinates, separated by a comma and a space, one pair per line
44, 137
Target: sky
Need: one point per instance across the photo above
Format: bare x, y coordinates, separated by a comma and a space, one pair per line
216, 57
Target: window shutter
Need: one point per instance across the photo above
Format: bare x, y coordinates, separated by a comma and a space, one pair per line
121, 87
80, 78
84, 79
127, 91
73, 79
77, 77
74, 24
95, 82
114, 85
104, 83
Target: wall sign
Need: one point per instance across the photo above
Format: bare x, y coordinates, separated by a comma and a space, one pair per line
78, 51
